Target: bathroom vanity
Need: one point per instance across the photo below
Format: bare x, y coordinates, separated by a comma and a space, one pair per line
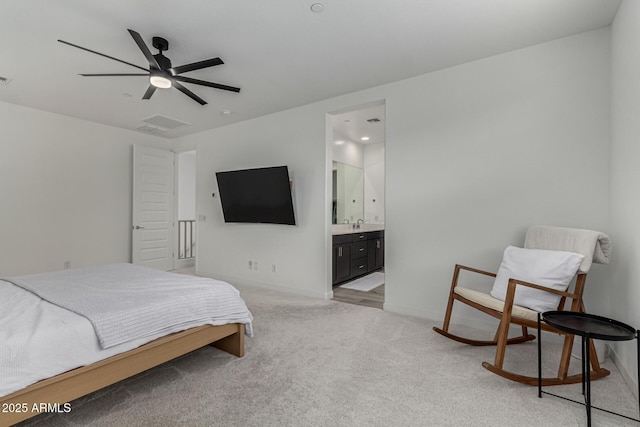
357, 251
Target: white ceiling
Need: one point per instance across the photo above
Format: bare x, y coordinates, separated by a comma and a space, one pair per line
279, 52
367, 121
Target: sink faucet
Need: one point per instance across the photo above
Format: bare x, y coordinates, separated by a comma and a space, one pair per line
346, 221
360, 220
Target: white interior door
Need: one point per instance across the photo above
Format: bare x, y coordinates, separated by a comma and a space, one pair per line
153, 207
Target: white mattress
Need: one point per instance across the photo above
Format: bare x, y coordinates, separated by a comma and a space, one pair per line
39, 340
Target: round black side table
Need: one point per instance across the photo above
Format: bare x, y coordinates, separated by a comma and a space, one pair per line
588, 326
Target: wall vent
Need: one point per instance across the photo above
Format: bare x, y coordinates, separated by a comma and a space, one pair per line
374, 120
4, 81
164, 122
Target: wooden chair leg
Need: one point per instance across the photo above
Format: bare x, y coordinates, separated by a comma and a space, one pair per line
501, 345
565, 358
447, 315
593, 356
503, 329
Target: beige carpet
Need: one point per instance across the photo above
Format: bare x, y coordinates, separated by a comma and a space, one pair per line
325, 363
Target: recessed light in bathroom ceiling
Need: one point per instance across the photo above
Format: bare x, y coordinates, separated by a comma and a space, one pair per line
317, 8
364, 138
339, 142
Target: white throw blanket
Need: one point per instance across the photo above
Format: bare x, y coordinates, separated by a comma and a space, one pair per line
124, 302
595, 246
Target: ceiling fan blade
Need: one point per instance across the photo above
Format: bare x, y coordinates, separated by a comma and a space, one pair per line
145, 50
189, 93
198, 65
102, 54
112, 75
203, 83
149, 92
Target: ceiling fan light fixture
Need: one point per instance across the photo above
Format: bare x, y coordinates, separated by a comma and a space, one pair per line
160, 81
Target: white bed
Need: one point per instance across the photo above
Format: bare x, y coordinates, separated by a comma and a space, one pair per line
41, 340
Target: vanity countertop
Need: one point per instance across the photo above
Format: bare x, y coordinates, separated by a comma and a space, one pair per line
338, 229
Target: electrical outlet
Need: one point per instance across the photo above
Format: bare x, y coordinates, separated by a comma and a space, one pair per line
67, 265
273, 268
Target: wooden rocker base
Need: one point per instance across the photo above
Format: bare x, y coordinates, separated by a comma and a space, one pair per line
572, 379
515, 340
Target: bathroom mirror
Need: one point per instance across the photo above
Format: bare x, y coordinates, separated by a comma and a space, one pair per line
348, 193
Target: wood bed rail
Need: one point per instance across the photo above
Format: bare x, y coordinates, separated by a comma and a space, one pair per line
79, 382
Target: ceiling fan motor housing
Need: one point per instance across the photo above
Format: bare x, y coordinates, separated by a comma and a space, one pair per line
160, 43
163, 61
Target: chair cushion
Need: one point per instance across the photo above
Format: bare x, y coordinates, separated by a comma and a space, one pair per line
552, 269
487, 300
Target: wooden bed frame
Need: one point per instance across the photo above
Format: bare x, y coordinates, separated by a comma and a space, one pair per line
79, 382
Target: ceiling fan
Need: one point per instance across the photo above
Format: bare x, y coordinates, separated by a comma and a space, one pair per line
160, 72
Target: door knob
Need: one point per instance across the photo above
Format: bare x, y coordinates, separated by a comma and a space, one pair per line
137, 227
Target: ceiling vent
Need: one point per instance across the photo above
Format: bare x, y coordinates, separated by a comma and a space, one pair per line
4, 81
164, 122
151, 129
374, 120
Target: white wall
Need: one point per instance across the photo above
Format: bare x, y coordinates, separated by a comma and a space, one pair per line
349, 153
65, 191
624, 286
295, 138
374, 183
187, 185
477, 153
474, 155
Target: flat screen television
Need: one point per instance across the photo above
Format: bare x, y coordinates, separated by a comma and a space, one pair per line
261, 195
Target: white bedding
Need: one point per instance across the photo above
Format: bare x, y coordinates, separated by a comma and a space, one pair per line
39, 340
125, 302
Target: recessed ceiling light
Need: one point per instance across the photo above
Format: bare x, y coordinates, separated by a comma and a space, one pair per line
364, 138
339, 142
226, 112
317, 8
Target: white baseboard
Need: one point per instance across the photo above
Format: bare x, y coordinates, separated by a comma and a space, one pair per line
628, 378
259, 284
485, 322
184, 263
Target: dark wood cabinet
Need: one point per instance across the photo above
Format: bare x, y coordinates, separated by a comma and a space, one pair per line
341, 259
357, 254
376, 253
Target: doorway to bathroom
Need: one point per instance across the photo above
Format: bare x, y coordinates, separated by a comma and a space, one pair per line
358, 143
